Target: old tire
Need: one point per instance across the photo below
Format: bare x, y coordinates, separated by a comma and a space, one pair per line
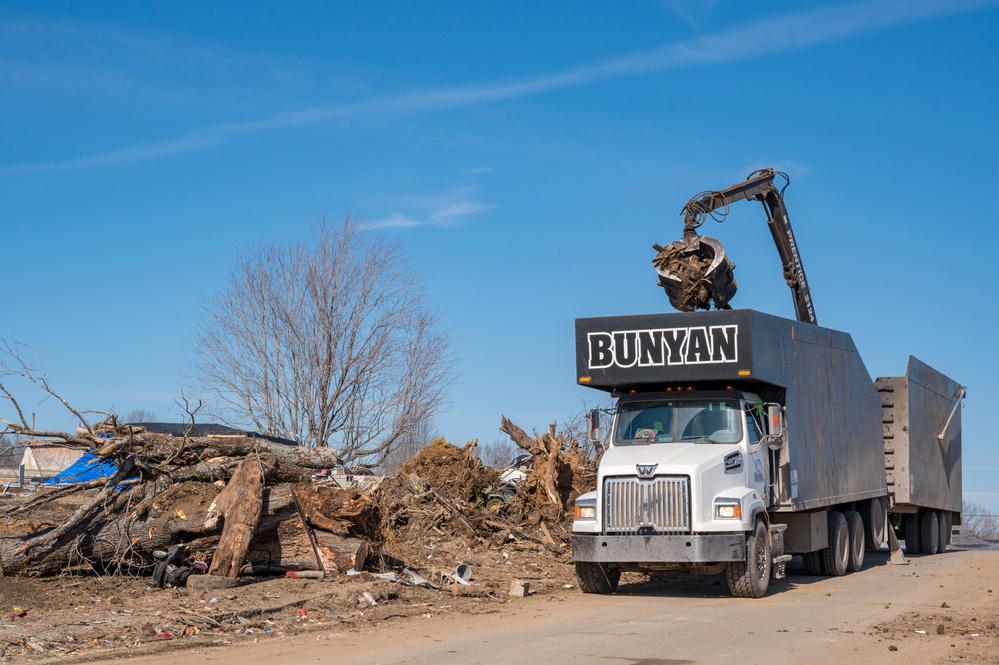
875, 517
495, 505
597, 578
813, 562
837, 554
858, 540
750, 578
911, 529
929, 532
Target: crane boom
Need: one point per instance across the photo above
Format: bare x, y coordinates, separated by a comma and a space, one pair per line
695, 270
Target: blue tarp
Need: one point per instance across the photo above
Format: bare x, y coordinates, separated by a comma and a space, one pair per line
85, 469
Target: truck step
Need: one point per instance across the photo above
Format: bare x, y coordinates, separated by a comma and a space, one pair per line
783, 558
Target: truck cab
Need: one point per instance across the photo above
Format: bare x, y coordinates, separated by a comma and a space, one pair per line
684, 479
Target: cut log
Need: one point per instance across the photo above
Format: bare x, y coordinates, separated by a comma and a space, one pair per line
343, 553
239, 505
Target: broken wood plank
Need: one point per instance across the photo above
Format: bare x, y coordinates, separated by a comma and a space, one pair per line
239, 504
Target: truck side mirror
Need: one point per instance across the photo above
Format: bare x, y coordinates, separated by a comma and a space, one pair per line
775, 420
594, 432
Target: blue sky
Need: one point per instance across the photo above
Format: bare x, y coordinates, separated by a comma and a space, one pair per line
527, 154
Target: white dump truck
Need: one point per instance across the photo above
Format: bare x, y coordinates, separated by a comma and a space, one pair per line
741, 439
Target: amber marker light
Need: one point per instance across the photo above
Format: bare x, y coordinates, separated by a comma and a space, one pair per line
584, 379
743, 372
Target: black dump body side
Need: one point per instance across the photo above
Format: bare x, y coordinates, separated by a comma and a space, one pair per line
834, 452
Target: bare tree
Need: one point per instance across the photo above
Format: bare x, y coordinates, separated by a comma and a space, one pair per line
497, 453
19, 362
408, 446
330, 342
980, 521
140, 416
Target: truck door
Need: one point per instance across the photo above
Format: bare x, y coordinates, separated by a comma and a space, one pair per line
759, 466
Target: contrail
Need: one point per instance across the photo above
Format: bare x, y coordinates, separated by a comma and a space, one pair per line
782, 34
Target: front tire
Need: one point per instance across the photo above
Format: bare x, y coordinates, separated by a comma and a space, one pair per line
596, 577
750, 578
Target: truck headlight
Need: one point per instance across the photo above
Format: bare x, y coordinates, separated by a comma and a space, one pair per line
585, 512
728, 511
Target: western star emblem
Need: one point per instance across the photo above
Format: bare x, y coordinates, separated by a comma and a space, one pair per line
646, 470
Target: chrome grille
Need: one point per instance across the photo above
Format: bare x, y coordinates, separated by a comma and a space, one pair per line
632, 504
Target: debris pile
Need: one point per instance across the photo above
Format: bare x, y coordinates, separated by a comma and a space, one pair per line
689, 270
560, 473
217, 495
244, 506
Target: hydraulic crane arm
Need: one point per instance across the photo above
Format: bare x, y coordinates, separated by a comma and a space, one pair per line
716, 281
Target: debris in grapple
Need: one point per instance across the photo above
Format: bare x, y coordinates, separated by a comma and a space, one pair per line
695, 273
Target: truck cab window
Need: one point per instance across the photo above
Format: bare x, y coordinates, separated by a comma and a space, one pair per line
752, 428
678, 421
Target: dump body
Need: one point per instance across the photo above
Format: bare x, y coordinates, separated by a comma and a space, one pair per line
923, 471
834, 448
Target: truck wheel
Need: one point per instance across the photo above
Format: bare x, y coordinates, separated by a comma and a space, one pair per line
911, 529
596, 577
946, 526
929, 532
858, 538
837, 553
813, 562
750, 578
874, 524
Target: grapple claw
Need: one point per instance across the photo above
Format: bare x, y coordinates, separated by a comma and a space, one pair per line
694, 272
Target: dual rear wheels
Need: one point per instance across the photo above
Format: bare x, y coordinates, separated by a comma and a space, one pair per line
847, 543
927, 532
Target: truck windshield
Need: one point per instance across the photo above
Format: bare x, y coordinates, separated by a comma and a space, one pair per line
678, 421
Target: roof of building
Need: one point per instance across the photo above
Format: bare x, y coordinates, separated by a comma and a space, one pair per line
48, 458
207, 429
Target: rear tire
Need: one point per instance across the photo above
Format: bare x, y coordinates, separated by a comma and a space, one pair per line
911, 528
948, 519
813, 562
929, 532
597, 578
750, 578
837, 553
875, 517
858, 539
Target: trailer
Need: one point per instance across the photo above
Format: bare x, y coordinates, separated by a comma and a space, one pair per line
922, 443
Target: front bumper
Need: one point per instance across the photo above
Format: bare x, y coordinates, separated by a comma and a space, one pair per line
659, 549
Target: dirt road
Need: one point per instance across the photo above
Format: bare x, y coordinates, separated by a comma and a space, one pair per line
938, 609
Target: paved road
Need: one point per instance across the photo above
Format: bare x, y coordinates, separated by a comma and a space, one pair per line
690, 620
